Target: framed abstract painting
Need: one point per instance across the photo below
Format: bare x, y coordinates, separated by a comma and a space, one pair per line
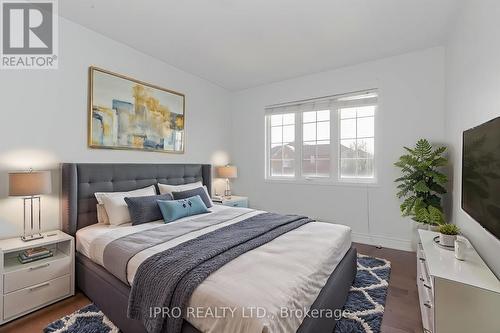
125, 113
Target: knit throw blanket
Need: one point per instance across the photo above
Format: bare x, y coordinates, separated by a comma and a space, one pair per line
168, 279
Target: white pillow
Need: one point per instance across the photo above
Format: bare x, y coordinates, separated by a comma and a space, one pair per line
164, 188
102, 216
134, 193
115, 205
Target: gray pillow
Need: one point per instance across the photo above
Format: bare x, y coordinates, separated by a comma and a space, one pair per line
194, 192
145, 209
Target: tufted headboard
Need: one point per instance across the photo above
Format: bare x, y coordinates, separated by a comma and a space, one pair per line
81, 180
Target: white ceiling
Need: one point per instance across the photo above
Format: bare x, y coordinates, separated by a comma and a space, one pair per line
244, 43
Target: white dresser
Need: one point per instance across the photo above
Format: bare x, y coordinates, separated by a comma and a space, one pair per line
455, 296
28, 287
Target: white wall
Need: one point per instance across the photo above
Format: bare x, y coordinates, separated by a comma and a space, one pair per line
44, 116
473, 97
411, 106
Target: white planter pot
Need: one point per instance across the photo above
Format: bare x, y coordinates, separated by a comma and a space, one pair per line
419, 226
447, 240
432, 227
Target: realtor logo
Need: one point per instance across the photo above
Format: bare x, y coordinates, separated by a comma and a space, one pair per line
29, 34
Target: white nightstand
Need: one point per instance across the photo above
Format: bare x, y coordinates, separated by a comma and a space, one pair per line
235, 201
27, 287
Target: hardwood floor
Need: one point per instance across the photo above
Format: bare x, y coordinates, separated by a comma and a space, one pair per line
402, 312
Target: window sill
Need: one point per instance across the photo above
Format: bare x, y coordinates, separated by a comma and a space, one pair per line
322, 182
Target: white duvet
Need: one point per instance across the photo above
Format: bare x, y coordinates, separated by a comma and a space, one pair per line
264, 290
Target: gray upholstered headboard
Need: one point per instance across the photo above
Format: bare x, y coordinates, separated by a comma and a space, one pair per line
81, 180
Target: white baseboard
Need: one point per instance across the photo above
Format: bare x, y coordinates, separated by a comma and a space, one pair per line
378, 240
389, 242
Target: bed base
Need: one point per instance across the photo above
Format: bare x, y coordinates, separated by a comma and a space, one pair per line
111, 295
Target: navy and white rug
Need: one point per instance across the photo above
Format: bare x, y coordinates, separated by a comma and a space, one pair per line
365, 303
86, 320
364, 308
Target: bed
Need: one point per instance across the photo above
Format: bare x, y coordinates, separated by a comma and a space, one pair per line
111, 294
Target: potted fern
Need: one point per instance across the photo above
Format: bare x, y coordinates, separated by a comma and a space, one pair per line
448, 234
421, 185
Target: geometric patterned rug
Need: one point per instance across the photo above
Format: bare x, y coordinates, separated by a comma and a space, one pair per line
363, 310
86, 320
365, 303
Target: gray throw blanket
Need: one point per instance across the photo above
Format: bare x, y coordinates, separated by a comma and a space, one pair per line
168, 279
118, 253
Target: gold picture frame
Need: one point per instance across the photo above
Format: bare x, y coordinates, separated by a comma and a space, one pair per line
129, 114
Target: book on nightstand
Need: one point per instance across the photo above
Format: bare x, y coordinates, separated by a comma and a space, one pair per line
217, 199
34, 254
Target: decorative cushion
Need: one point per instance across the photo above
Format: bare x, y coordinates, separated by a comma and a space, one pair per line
145, 209
115, 205
176, 209
201, 191
164, 188
150, 190
102, 216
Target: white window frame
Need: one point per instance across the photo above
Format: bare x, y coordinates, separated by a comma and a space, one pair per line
335, 177
268, 150
301, 130
361, 180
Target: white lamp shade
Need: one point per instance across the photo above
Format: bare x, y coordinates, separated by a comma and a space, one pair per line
228, 171
30, 183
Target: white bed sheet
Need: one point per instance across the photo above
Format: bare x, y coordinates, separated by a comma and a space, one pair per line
86, 236
285, 274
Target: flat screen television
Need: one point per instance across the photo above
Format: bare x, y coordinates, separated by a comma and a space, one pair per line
481, 175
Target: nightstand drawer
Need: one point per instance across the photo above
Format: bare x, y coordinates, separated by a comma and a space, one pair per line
35, 273
29, 298
234, 201
241, 203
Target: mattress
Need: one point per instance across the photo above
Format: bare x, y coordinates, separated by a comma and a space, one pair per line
268, 289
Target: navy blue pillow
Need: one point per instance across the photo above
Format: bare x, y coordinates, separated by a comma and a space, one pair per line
194, 192
146, 209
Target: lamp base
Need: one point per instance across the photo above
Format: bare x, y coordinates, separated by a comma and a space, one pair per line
29, 238
227, 191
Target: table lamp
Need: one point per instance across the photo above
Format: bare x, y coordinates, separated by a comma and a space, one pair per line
30, 185
228, 172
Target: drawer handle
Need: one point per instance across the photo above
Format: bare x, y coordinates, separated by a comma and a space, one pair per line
421, 259
38, 267
428, 305
40, 286
427, 286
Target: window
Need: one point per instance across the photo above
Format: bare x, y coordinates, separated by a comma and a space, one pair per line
282, 153
357, 141
316, 143
328, 139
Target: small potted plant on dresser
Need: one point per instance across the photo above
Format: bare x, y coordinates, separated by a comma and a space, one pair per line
447, 234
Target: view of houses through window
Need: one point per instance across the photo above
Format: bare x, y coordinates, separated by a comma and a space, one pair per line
357, 141
282, 154
327, 139
316, 143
